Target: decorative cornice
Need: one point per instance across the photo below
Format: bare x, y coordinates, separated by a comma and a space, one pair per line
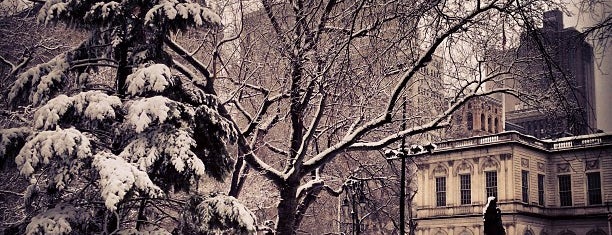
592, 165
439, 170
563, 167
489, 162
463, 167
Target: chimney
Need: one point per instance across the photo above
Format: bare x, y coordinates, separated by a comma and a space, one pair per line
553, 20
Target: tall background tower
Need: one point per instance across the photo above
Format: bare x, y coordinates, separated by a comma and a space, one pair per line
555, 74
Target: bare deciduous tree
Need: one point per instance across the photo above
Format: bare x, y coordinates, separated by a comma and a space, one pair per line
309, 81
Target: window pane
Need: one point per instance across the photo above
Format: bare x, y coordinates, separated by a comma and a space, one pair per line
541, 189
594, 187
491, 183
440, 191
525, 188
565, 190
470, 121
466, 189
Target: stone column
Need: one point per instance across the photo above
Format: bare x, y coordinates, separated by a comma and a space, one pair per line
477, 229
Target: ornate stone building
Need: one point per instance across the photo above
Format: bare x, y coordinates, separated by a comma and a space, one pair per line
480, 116
544, 187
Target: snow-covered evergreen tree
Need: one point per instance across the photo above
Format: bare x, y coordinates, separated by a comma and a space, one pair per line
113, 160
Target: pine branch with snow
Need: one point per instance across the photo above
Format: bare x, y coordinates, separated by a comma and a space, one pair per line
155, 231
122, 153
41, 82
153, 79
156, 110
118, 177
55, 221
167, 156
180, 14
67, 150
217, 214
90, 105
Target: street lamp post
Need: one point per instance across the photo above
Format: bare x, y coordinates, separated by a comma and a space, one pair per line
354, 202
402, 154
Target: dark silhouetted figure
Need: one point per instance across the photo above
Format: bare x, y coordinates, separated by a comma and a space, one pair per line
492, 218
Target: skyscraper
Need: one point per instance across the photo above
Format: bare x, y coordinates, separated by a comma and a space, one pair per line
554, 74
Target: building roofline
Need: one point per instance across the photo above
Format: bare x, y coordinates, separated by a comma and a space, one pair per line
548, 145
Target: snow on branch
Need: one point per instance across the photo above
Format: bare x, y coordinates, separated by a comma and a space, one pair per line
164, 148
93, 105
144, 112
103, 11
132, 231
218, 214
179, 15
309, 186
117, 177
54, 221
39, 82
69, 147
155, 78
52, 10
208, 118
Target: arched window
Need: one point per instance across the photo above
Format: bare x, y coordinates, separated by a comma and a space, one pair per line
482, 122
466, 232
596, 232
441, 232
567, 232
489, 124
470, 121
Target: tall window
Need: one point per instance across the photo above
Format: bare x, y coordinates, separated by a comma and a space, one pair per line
491, 183
594, 187
565, 190
496, 124
489, 124
440, 191
525, 187
541, 189
482, 122
466, 189
470, 121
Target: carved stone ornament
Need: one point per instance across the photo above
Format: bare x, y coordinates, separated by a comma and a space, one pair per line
463, 167
563, 167
541, 166
525, 162
439, 170
592, 164
488, 163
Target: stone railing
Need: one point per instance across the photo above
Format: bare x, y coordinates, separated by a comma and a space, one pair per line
511, 208
449, 210
512, 136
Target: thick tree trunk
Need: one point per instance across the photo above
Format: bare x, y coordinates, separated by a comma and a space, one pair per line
287, 208
122, 70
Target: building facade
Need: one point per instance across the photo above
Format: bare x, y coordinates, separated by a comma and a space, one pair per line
479, 116
544, 187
